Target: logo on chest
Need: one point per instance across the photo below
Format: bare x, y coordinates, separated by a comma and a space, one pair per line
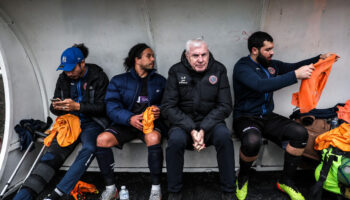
213, 79
271, 70
183, 80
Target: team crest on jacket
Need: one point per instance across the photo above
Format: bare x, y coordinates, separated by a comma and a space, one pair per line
213, 79
271, 70
84, 86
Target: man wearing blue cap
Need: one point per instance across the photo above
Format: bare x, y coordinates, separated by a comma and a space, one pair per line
80, 90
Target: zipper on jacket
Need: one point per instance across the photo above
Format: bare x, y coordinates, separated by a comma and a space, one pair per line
266, 93
135, 96
79, 91
149, 92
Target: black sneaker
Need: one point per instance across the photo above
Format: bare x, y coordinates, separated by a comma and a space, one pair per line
228, 196
175, 196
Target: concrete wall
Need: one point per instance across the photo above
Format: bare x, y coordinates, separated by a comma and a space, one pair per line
303, 29
34, 33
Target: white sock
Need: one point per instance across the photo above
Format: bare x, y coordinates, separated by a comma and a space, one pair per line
110, 187
156, 187
58, 192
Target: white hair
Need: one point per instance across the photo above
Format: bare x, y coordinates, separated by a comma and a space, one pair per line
197, 42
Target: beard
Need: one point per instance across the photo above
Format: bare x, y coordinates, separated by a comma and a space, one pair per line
148, 67
263, 61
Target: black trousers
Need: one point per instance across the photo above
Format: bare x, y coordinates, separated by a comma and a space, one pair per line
274, 127
179, 140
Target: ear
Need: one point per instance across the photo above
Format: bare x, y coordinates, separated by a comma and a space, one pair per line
137, 60
255, 51
187, 55
82, 64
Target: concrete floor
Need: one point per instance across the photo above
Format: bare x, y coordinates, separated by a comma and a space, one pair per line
197, 186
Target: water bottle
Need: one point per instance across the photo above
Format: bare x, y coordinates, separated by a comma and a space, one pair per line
334, 123
124, 193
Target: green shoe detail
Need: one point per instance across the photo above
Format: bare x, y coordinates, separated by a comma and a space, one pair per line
293, 194
241, 193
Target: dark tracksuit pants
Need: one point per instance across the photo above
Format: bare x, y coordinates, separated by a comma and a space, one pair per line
179, 140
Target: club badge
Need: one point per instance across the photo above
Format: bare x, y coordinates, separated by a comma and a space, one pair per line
213, 79
271, 70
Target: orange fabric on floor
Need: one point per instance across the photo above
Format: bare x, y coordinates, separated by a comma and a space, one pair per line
344, 112
148, 118
338, 137
311, 89
82, 187
67, 128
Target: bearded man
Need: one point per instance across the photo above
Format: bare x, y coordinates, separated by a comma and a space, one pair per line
255, 78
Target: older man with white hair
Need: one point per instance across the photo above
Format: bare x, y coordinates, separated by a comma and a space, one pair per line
196, 101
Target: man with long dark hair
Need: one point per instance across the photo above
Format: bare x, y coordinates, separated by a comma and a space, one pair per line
128, 96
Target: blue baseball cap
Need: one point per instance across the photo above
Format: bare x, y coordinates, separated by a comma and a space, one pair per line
70, 58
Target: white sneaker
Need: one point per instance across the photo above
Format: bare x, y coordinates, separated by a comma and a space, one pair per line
155, 195
109, 195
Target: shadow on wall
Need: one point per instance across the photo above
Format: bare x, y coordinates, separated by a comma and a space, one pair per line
2, 109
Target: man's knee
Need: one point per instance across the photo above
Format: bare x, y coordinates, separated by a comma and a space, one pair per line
222, 135
177, 138
106, 139
251, 142
299, 136
153, 138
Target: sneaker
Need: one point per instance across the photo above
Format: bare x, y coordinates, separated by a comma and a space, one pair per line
228, 196
109, 195
242, 189
155, 195
175, 196
52, 196
48, 197
291, 190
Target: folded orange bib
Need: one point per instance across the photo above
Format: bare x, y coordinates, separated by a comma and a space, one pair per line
67, 128
338, 137
148, 118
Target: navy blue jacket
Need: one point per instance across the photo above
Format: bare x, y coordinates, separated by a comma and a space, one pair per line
123, 90
254, 85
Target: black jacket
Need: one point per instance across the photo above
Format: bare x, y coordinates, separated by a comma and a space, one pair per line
194, 100
93, 103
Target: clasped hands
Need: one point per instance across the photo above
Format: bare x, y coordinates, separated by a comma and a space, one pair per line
198, 139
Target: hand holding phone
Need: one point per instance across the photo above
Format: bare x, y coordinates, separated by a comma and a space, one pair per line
55, 100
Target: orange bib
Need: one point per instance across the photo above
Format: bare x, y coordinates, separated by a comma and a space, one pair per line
82, 187
148, 118
311, 89
338, 137
67, 128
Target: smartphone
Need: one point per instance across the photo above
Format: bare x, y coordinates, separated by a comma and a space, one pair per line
55, 100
